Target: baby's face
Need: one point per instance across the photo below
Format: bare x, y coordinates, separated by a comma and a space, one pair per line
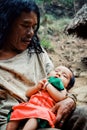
63, 73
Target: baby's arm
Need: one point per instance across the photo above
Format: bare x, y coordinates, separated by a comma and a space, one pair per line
56, 94
34, 89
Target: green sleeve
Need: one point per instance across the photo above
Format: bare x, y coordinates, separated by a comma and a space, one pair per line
56, 82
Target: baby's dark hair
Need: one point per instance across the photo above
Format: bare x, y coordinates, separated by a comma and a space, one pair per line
72, 81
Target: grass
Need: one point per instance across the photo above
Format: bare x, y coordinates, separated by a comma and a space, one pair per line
52, 28
47, 44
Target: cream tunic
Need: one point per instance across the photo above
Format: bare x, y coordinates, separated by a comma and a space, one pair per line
19, 73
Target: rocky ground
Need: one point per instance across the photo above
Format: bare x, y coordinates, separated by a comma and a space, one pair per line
70, 51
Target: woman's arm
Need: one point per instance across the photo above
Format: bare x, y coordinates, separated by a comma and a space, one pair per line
56, 94
64, 108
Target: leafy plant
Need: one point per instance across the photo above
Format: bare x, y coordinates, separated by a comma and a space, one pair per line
68, 3
47, 44
42, 1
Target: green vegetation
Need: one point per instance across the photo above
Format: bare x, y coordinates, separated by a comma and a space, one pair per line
53, 25
68, 3
45, 42
61, 24
42, 1
52, 28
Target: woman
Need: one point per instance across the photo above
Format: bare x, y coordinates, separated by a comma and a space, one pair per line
23, 62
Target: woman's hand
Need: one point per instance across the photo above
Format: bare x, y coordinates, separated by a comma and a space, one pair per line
63, 109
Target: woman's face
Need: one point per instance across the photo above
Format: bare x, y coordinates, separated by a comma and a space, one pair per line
22, 31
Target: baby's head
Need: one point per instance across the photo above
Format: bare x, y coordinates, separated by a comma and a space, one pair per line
65, 74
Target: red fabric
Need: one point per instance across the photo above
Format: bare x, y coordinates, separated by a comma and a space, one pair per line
38, 107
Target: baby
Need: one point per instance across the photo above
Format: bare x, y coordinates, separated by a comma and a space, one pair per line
43, 97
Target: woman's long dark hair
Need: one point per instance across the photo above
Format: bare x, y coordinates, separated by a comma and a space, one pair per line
9, 11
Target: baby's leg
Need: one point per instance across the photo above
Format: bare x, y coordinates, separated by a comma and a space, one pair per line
31, 124
12, 125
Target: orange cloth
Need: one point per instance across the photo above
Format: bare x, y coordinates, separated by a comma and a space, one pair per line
38, 107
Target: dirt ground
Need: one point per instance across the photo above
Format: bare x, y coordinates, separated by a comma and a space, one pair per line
70, 51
